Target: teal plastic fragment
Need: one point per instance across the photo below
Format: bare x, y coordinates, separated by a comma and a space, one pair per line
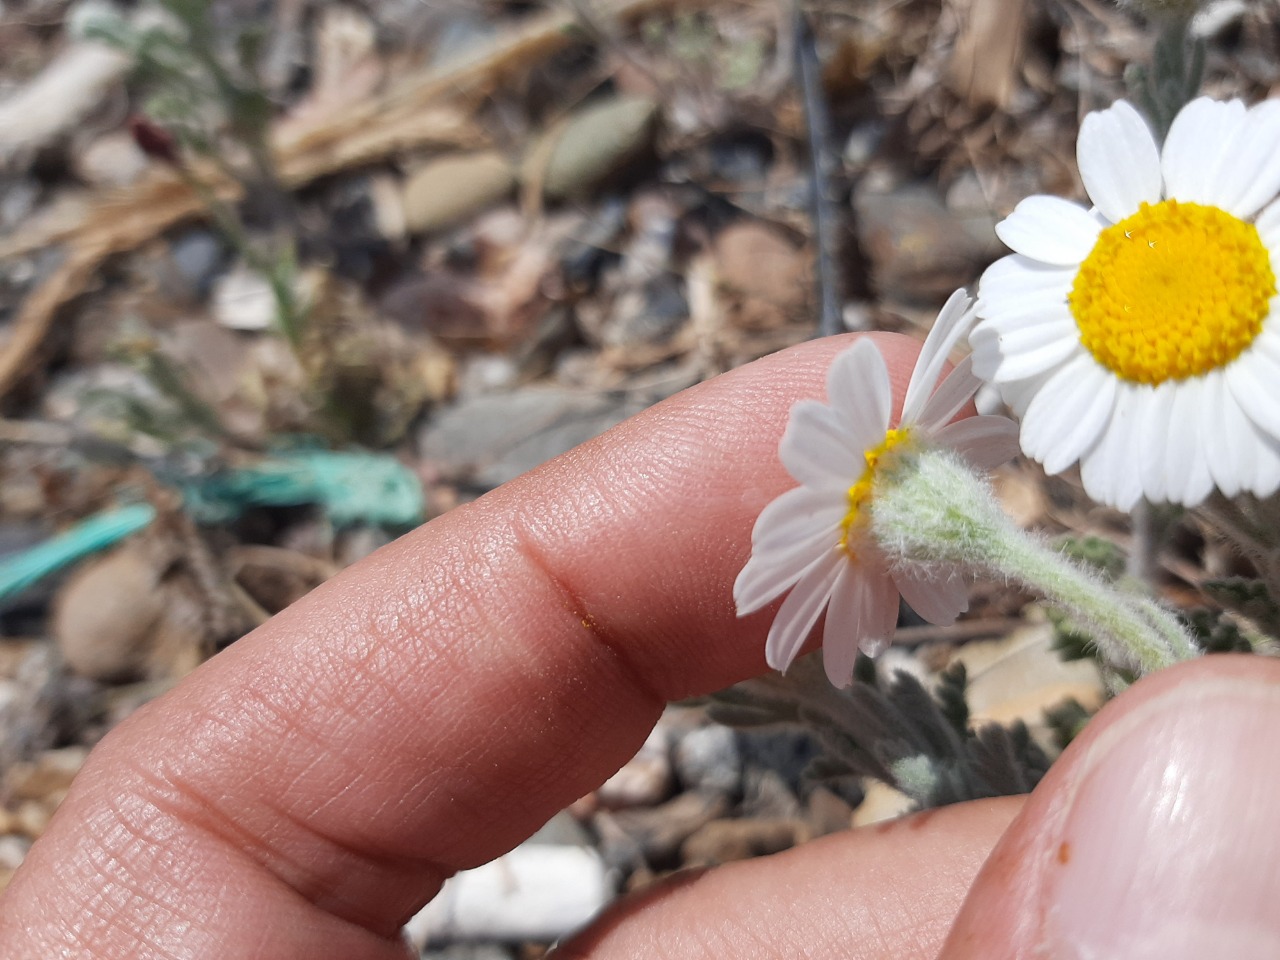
18, 571
350, 487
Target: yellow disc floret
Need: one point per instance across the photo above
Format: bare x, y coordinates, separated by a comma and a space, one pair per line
860, 492
1174, 291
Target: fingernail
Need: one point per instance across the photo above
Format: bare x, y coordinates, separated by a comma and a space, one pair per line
1171, 846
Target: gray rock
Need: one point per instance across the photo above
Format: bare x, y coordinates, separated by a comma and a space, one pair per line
919, 249
645, 779
470, 951
708, 759
723, 841
197, 256
488, 440
562, 830
766, 794
653, 836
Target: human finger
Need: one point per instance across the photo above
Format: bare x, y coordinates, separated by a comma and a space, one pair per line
888, 892
308, 789
1154, 835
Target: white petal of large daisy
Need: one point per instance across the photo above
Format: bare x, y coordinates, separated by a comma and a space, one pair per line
1193, 151
1228, 437
1107, 469
1068, 413
1049, 230
1046, 354
1266, 476
1268, 224
1154, 451
1119, 162
1054, 325
1251, 177
815, 542
1188, 473
1254, 381
1019, 276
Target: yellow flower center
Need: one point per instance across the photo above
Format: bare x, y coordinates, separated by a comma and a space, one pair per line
860, 492
1174, 291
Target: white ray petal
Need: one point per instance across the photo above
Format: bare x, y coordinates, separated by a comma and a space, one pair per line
769, 574
1018, 394
800, 611
1156, 442
859, 391
954, 320
879, 618
983, 442
938, 598
798, 513
806, 455
1069, 413
1034, 361
952, 394
1253, 378
1188, 464
1107, 469
1027, 336
1202, 132
1118, 160
1025, 310
1268, 224
1050, 230
850, 597
1228, 436
1265, 478
1249, 176
820, 433
985, 344
1018, 276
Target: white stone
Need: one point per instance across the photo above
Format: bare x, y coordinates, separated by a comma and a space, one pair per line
708, 759
243, 300
534, 893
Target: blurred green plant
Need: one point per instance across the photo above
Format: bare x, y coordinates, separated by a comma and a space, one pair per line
206, 99
894, 731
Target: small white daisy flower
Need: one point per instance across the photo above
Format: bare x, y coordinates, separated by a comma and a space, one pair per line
1142, 337
814, 540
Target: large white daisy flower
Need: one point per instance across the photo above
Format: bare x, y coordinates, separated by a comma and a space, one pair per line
1142, 337
814, 540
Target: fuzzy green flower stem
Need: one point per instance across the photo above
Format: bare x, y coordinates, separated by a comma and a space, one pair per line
1177, 67
931, 509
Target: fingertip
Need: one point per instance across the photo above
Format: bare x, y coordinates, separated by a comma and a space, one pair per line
1151, 836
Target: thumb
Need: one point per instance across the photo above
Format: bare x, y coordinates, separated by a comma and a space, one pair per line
1154, 836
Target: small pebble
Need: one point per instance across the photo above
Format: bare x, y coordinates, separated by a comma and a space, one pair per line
708, 759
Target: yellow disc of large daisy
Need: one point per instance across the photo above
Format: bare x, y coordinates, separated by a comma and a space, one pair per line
1174, 291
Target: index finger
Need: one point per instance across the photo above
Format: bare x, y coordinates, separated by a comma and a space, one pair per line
432, 706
